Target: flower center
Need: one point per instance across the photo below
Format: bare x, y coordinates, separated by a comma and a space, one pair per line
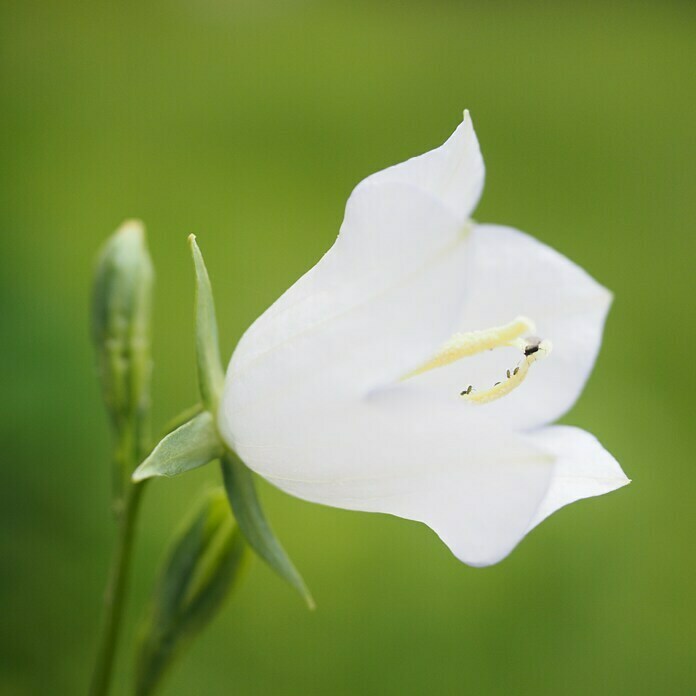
517, 334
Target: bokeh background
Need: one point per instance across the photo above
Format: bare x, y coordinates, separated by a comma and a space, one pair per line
248, 123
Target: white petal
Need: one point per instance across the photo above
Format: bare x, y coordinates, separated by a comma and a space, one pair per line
383, 296
583, 468
312, 400
513, 274
400, 225
454, 172
401, 453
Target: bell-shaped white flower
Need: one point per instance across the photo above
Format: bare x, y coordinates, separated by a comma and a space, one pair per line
402, 374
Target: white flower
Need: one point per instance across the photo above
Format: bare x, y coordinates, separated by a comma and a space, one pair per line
353, 389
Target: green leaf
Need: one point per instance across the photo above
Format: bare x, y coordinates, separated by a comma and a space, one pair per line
241, 491
210, 373
191, 445
205, 562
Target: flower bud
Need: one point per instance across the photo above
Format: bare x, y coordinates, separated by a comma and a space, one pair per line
205, 563
121, 309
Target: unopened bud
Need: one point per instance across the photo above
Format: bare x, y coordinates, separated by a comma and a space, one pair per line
204, 565
121, 309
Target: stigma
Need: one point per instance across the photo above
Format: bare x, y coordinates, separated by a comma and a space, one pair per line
516, 334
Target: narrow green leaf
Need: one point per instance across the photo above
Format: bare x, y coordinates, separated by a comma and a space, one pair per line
210, 372
205, 562
193, 444
241, 491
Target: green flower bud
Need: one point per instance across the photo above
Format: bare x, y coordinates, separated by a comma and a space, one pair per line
121, 310
204, 564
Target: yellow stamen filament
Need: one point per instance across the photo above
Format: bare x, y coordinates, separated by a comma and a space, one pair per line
516, 334
509, 383
463, 345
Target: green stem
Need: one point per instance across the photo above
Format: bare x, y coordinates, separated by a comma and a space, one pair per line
114, 600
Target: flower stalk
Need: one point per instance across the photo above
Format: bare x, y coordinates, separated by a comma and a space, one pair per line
121, 313
121, 334
115, 596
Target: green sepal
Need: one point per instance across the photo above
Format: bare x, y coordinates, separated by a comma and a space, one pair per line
204, 563
197, 442
241, 491
191, 445
182, 418
210, 373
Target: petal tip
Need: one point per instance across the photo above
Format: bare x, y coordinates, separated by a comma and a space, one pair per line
467, 121
608, 296
485, 561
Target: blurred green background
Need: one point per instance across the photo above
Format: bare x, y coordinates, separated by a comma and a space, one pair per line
248, 123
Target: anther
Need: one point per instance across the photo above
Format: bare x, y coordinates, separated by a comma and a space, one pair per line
532, 346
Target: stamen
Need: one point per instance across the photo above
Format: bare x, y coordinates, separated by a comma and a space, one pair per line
516, 334
534, 351
463, 345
